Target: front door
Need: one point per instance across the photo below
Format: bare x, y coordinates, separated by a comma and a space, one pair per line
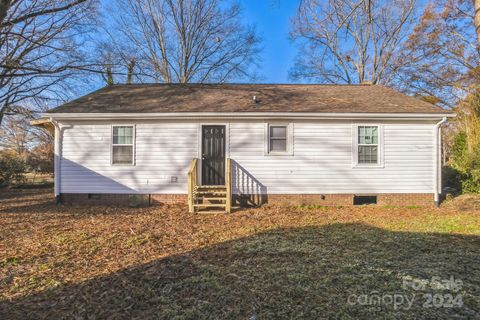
213, 155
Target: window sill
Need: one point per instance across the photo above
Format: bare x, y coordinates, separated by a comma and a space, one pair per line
273, 154
368, 166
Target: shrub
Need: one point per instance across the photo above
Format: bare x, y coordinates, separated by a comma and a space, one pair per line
465, 166
12, 169
451, 180
40, 159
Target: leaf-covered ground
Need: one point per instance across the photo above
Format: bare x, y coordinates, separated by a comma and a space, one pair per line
266, 263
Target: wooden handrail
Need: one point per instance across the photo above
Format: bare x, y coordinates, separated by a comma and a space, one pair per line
192, 183
228, 185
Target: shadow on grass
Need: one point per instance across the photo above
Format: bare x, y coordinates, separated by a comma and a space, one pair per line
12, 193
286, 273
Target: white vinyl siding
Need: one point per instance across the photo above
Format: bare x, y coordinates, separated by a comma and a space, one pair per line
162, 151
321, 161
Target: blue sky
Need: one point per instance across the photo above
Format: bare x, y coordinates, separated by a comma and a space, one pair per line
272, 21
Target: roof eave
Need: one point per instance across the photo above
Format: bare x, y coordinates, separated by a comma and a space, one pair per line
244, 115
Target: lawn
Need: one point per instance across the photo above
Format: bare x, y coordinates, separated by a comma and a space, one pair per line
267, 263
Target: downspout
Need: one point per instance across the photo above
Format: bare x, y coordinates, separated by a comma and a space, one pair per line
438, 165
57, 160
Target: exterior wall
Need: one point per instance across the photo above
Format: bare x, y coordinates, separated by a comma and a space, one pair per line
322, 160
162, 151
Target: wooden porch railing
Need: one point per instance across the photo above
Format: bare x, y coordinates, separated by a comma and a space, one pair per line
192, 183
228, 185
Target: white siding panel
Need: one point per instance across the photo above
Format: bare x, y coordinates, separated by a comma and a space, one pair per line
322, 160
162, 150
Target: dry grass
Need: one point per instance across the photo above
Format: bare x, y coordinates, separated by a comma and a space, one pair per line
267, 263
38, 178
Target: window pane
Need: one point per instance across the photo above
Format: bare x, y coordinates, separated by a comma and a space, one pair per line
277, 145
361, 135
375, 135
368, 135
278, 132
123, 135
122, 155
367, 154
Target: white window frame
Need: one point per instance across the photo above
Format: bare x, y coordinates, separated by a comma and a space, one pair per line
380, 157
133, 145
289, 142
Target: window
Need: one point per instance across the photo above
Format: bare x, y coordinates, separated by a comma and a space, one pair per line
122, 144
367, 145
278, 139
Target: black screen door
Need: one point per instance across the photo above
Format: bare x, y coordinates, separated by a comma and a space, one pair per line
213, 155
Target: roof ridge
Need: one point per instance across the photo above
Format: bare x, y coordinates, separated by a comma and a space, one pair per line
248, 84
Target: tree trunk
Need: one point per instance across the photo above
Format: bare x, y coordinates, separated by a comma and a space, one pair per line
131, 69
4, 6
476, 5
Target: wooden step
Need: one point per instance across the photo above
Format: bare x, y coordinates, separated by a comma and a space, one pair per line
205, 205
212, 212
210, 192
212, 198
211, 187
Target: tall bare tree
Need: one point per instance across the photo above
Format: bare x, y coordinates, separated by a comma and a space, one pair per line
441, 60
16, 135
39, 49
182, 41
350, 41
476, 5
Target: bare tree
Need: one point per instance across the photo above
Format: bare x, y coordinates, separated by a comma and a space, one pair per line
476, 5
441, 58
116, 61
16, 135
39, 49
184, 41
31, 145
350, 41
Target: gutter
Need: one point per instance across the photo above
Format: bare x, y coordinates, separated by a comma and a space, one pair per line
246, 115
437, 159
57, 159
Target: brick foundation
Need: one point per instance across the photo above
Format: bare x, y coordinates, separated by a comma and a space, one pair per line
169, 198
122, 200
394, 199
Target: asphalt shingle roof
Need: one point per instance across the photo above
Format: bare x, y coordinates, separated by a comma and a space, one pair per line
160, 98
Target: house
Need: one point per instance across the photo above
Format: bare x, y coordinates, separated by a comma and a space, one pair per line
217, 145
